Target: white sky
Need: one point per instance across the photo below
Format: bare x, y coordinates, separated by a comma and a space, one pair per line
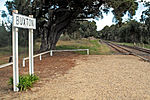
101, 23
2, 7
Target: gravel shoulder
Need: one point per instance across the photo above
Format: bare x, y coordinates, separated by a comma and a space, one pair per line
94, 77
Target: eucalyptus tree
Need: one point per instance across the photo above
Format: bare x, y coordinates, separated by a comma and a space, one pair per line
104, 33
145, 18
129, 31
88, 29
54, 16
4, 36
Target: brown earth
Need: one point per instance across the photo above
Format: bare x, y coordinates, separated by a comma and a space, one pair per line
81, 77
46, 69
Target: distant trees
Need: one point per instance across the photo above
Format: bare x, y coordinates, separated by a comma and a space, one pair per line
5, 36
83, 29
145, 18
131, 30
6, 32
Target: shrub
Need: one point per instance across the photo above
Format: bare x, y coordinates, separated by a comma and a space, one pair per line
25, 81
65, 37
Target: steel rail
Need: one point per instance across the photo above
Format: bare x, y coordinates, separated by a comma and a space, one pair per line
131, 52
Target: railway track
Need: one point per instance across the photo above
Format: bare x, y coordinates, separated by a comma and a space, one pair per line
130, 50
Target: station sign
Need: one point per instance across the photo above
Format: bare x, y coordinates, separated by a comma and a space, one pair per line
21, 21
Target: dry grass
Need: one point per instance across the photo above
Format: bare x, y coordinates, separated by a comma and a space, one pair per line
94, 45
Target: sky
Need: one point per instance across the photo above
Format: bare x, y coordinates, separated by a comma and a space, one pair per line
2, 7
101, 23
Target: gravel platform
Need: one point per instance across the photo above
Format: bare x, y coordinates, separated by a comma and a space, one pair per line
94, 77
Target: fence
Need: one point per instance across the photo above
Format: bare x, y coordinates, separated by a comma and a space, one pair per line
51, 54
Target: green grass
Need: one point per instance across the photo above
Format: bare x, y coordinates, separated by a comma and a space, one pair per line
93, 45
147, 46
25, 81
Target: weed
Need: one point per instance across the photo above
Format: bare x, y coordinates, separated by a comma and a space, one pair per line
25, 81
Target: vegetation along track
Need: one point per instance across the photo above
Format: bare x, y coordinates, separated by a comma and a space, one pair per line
130, 50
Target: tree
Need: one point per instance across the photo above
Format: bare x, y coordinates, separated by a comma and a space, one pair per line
4, 36
82, 29
145, 18
54, 16
130, 31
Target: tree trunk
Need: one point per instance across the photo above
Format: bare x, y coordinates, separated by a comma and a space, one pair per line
52, 33
44, 40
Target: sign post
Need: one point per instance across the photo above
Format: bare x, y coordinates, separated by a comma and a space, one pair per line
21, 21
31, 60
15, 56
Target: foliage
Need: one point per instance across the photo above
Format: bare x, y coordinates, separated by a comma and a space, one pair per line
147, 19
54, 16
83, 29
6, 33
25, 82
10, 81
146, 13
65, 37
131, 31
5, 36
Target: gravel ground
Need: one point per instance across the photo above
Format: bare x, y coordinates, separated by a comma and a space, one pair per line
95, 77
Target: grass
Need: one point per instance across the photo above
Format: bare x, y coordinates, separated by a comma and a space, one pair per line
5, 51
93, 45
147, 46
138, 45
25, 81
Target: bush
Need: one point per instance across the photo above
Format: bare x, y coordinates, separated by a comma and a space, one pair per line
65, 37
25, 82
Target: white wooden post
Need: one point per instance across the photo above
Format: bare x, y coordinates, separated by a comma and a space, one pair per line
31, 60
51, 53
15, 56
24, 62
88, 52
40, 57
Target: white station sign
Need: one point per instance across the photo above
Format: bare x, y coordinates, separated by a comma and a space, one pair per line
22, 21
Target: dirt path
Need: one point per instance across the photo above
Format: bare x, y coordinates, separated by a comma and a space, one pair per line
112, 77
